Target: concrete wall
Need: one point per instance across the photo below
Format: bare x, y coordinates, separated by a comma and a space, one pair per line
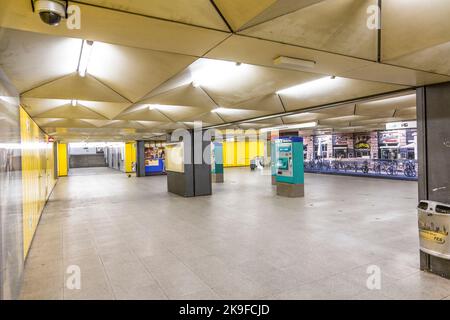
82, 150
87, 161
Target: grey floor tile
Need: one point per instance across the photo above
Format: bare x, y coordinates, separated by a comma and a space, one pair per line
133, 240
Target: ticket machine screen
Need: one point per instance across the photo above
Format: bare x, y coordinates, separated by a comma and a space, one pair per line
284, 163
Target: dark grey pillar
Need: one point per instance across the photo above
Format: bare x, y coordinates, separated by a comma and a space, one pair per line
140, 158
196, 179
433, 138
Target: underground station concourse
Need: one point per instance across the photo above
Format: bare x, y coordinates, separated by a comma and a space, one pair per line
224, 149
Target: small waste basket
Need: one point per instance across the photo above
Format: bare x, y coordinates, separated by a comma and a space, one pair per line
434, 225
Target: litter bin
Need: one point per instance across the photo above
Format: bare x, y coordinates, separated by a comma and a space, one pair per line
434, 225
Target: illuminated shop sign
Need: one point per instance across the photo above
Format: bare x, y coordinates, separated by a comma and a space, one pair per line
401, 125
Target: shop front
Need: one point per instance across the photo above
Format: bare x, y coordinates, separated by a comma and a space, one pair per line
388, 153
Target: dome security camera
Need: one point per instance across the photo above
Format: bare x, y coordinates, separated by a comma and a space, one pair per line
51, 11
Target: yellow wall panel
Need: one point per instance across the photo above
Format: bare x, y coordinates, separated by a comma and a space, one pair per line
62, 160
229, 154
38, 177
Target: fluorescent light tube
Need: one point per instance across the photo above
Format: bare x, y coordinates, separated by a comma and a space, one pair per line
86, 51
308, 86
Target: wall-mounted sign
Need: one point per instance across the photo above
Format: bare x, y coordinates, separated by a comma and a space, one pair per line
401, 125
50, 139
388, 138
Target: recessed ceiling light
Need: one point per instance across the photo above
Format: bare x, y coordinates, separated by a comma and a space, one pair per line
152, 106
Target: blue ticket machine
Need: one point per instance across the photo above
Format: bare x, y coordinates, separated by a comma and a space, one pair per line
290, 176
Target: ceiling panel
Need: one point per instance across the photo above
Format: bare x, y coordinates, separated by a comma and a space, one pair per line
328, 90
194, 12
107, 109
239, 83
185, 95
124, 124
63, 123
379, 121
262, 52
413, 25
403, 76
31, 59
230, 115
135, 72
333, 26
75, 87
238, 13
115, 27
151, 124
279, 8
434, 59
71, 112
35, 106
179, 113
386, 106
304, 117
410, 113
208, 118
341, 120
270, 102
142, 113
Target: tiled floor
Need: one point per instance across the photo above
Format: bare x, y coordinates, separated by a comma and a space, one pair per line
133, 240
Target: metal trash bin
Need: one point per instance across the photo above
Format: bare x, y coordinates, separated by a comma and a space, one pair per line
434, 225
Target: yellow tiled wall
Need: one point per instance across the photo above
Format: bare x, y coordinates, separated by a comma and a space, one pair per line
38, 175
239, 153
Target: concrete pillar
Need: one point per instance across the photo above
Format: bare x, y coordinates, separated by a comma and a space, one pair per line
433, 137
140, 158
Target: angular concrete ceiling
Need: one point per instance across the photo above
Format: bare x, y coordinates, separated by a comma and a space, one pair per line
416, 34
159, 65
332, 26
193, 12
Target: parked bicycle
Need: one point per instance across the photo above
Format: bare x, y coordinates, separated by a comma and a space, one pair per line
409, 169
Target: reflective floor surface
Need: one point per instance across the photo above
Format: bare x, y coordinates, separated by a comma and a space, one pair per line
131, 239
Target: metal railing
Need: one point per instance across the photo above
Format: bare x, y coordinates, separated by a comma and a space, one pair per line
402, 169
